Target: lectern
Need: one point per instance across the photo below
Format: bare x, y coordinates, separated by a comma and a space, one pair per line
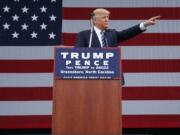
87, 92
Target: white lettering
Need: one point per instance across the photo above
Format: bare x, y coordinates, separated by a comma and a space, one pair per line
97, 55
68, 62
85, 55
77, 62
74, 55
109, 55
96, 63
105, 63
64, 54
87, 63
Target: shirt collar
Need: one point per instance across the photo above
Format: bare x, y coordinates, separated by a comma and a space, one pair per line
97, 30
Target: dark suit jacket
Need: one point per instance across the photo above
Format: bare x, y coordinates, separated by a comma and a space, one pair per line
113, 38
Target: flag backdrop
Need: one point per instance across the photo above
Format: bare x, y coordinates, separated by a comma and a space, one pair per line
29, 29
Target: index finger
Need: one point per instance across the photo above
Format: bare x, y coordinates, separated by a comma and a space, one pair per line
156, 17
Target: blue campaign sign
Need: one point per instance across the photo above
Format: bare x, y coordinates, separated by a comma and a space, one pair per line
87, 63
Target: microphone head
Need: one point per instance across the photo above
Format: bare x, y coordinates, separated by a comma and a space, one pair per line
92, 15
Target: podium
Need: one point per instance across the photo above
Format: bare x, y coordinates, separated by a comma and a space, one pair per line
89, 105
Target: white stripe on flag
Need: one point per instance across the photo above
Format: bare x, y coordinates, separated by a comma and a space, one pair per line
26, 52
132, 107
121, 3
150, 52
152, 79
25, 108
151, 107
26, 79
46, 79
163, 26
128, 52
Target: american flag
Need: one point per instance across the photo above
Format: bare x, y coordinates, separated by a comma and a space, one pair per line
29, 30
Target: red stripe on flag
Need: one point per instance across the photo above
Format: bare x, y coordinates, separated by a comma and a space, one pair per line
20, 66
128, 93
151, 65
151, 121
25, 93
123, 13
26, 66
158, 39
151, 93
129, 121
20, 122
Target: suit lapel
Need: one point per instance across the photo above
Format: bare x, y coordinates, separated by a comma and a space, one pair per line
108, 37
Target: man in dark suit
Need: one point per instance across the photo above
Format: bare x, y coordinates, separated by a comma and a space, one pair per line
100, 36
111, 37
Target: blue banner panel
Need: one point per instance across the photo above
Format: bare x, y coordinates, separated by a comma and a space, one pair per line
87, 63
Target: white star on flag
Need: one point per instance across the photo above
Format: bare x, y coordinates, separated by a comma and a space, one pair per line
34, 17
52, 35
52, 18
34, 34
43, 26
6, 26
25, 9
43, 9
15, 17
15, 34
6, 9
24, 26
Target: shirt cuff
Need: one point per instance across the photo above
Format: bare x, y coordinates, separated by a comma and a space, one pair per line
142, 27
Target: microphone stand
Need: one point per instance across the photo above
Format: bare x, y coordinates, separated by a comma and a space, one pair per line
91, 33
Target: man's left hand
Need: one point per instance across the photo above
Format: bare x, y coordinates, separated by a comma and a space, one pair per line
151, 21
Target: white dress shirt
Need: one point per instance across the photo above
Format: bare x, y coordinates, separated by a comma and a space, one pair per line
98, 32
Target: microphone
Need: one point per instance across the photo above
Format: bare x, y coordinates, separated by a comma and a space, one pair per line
92, 15
92, 26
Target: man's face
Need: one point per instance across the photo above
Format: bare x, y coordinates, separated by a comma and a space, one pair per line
102, 20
